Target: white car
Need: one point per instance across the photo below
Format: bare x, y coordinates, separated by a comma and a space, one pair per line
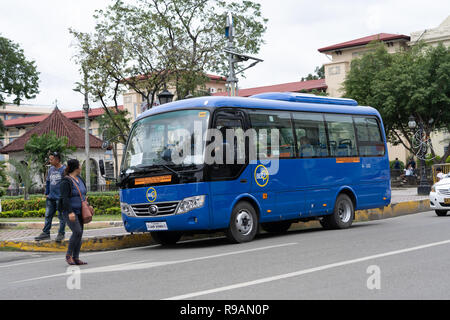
440, 196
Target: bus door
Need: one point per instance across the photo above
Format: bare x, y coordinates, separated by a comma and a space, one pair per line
232, 177
278, 182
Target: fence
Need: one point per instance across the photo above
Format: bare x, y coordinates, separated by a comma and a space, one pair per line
445, 167
399, 178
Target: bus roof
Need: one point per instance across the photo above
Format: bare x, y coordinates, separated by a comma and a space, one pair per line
276, 101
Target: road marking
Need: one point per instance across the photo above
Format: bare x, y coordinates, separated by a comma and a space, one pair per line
303, 272
86, 231
104, 252
145, 264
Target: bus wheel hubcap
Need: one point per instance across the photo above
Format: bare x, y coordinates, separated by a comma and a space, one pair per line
345, 212
244, 222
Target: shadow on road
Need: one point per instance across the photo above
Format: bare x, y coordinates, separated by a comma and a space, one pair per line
219, 239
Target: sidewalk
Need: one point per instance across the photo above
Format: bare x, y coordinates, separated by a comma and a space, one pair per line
404, 201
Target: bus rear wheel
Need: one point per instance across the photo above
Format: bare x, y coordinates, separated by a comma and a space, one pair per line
276, 227
166, 237
342, 216
441, 213
243, 223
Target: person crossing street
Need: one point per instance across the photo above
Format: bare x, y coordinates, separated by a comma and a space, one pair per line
53, 195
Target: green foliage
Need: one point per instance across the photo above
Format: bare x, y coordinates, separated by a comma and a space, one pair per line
412, 82
319, 73
146, 45
392, 163
38, 149
22, 173
4, 183
19, 208
18, 76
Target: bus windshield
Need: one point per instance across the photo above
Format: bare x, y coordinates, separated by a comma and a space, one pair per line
163, 139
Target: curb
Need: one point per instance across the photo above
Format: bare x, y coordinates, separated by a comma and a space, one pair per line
40, 225
144, 239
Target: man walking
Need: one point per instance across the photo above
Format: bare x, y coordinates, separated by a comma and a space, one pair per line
52, 193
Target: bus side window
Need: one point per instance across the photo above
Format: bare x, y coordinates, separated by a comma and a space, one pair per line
369, 136
311, 135
265, 122
341, 133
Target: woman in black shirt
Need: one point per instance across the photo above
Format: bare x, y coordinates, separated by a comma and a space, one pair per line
71, 187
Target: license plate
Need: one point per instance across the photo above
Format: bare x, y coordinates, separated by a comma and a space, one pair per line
447, 200
156, 226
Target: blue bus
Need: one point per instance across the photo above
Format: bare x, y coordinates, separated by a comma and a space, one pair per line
330, 160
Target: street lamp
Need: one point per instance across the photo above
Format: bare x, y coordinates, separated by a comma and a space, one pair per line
424, 187
165, 97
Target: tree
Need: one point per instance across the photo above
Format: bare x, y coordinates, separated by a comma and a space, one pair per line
23, 174
4, 183
18, 76
111, 133
151, 44
412, 82
319, 73
38, 148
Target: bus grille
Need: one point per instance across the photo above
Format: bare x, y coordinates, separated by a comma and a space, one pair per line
164, 208
444, 191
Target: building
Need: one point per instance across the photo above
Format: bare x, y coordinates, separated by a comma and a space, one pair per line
17, 127
14, 111
134, 102
342, 54
440, 34
298, 86
63, 127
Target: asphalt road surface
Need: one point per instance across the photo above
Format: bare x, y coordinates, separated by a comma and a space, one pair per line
400, 258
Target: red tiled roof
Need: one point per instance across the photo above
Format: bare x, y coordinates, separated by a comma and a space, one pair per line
210, 76
72, 115
283, 87
365, 40
62, 126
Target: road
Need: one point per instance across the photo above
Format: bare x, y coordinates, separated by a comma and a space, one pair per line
406, 257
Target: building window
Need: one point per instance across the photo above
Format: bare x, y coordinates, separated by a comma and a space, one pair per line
334, 70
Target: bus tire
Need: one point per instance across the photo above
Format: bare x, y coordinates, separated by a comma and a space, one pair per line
342, 216
276, 227
166, 237
441, 213
243, 223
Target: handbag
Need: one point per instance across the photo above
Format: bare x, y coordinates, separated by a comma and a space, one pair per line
86, 210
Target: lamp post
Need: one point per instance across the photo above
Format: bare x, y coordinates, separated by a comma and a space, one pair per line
86, 138
165, 97
424, 187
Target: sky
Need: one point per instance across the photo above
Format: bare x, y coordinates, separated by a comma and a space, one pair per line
295, 30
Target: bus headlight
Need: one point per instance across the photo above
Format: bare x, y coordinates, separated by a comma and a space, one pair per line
126, 209
191, 203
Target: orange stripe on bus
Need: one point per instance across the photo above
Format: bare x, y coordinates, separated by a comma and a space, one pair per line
348, 160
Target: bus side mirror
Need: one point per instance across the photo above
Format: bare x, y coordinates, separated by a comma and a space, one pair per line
107, 174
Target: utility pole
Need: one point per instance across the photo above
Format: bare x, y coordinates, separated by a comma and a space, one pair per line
86, 133
234, 57
231, 80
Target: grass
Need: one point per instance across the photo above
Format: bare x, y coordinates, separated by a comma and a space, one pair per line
33, 196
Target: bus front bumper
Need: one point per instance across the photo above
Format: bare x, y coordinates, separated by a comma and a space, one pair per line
197, 219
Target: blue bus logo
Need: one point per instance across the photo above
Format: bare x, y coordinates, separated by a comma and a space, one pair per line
261, 176
151, 195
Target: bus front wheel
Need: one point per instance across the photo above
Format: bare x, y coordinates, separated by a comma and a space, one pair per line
243, 223
342, 216
166, 237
